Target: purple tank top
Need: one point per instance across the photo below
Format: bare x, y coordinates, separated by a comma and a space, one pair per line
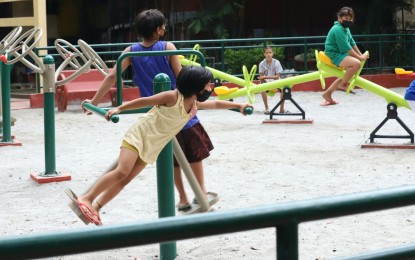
145, 68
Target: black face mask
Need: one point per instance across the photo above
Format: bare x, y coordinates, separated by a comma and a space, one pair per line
162, 38
346, 24
201, 97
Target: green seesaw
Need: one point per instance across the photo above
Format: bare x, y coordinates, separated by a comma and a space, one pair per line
325, 69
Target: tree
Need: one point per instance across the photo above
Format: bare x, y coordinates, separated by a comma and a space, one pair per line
379, 16
218, 17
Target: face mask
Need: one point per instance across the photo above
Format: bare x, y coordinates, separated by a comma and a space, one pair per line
201, 97
346, 24
162, 37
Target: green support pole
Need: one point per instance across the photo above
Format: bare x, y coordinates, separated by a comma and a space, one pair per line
50, 174
49, 119
5, 94
165, 179
287, 241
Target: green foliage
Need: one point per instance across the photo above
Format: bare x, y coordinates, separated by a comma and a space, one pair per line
377, 16
218, 17
310, 55
237, 58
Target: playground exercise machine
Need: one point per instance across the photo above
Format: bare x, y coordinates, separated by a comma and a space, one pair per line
165, 181
5, 45
204, 205
80, 60
225, 93
15, 48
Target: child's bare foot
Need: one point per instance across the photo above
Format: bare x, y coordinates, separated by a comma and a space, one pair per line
183, 204
327, 97
83, 201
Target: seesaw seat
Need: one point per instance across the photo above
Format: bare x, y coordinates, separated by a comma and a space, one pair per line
222, 90
326, 60
401, 71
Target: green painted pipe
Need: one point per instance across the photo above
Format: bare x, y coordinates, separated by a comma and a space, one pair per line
100, 111
216, 73
284, 215
287, 82
49, 117
165, 178
5, 95
390, 96
247, 110
132, 111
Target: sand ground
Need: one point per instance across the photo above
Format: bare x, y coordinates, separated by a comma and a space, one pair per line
252, 164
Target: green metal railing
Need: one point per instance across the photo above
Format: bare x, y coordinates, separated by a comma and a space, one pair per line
285, 217
387, 51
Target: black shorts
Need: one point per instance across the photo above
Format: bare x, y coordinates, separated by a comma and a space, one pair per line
195, 143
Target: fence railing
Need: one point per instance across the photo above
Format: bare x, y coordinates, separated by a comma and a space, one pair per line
387, 51
285, 217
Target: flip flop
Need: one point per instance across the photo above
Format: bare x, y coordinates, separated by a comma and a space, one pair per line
183, 207
212, 199
329, 103
73, 204
89, 214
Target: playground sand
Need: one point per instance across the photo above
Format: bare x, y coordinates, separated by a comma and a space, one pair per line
252, 164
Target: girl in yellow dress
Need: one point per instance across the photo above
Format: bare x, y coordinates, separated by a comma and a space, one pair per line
144, 140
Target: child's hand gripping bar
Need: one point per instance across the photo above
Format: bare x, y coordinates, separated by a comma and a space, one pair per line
99, 111
247, 110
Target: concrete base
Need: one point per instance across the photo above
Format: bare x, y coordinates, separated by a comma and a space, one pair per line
388, 146
47, 179
287, 121
14, 142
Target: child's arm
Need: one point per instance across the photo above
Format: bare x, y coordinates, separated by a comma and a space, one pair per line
166, 98
109, 80
276, 76
174, 59
355, 52
221, 104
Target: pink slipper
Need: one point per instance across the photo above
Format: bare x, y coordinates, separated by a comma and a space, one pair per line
89, 214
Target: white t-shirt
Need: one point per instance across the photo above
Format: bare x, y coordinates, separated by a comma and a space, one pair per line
270, 69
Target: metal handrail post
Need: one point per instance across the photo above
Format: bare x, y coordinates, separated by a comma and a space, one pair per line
165, 179
6, 110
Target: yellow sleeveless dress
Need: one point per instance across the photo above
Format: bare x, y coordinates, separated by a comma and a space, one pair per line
157, 127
